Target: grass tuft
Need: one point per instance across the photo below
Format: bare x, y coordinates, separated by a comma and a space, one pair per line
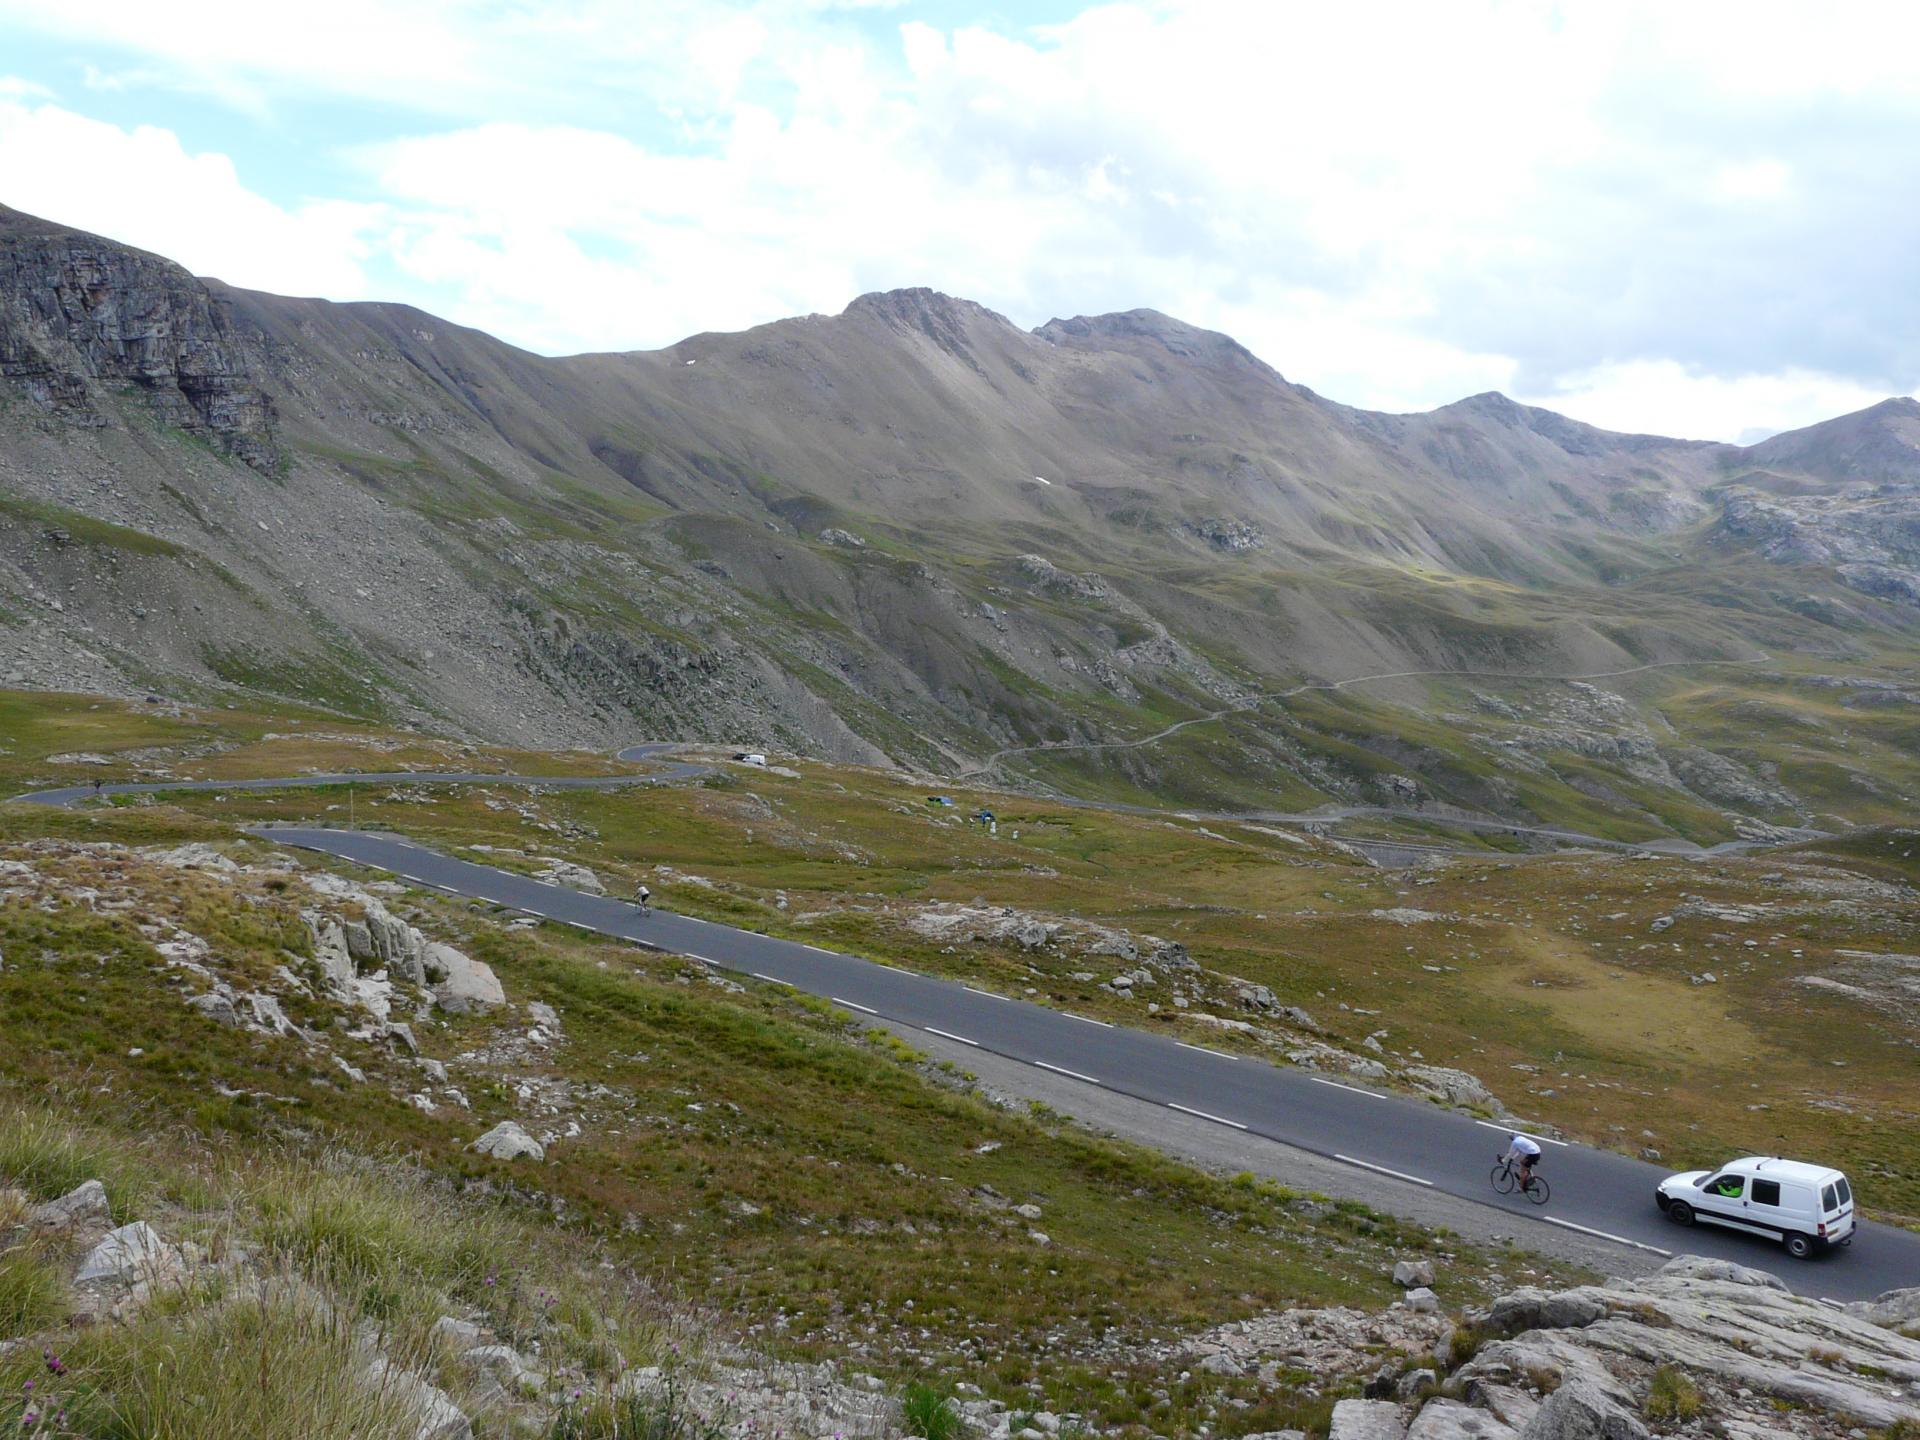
1672, 1396
928, 1413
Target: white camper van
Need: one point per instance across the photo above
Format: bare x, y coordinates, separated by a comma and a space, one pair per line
1804, 1207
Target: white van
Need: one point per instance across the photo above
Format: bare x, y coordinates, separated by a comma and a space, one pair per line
1805, 1207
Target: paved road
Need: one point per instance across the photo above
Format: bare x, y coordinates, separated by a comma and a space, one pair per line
1597, 1194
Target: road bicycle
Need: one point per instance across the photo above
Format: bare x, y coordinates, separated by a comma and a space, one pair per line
1506, 1182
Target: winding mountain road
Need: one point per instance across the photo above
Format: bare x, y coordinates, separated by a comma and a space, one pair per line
1599, 1196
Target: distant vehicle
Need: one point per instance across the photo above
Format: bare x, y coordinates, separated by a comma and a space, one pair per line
751, 757
945, 800
1807, 1208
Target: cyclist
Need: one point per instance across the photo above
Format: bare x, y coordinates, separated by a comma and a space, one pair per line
1523, 1153
643, 897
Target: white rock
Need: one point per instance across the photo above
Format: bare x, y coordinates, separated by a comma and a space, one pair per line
132, 1253
1367, 1420
1409, 1273
79, 1208
1422, 1301
440, 1418
460, 984
507, 1141
1441, 1419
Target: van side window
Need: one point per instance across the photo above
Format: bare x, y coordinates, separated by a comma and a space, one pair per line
1767, 1192
1829, 1200
1728, 1187
1846, 1191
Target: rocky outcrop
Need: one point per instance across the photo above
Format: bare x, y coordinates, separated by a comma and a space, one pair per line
81, 317
507, 1141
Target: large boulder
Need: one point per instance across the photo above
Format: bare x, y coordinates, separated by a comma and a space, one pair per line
1441, 1419
439, 1417
1367, 1420
81, 1209
1701, 1267
129, 1255
1530, 1308
328, 935
1583, 1410
507, 1141
1895, 1308
460, 983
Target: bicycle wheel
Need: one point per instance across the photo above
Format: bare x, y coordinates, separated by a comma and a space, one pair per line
1502, 1178
1538, 1191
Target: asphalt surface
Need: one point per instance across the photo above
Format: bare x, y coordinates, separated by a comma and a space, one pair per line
1597, 1196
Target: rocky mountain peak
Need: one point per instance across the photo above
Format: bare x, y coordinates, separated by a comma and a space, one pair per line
1132, 328
81, 315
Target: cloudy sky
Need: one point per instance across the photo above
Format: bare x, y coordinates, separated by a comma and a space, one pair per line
1692, 219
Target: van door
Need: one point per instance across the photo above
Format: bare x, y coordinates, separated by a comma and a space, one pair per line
1777, 1209
1836, 1208
1723, 1200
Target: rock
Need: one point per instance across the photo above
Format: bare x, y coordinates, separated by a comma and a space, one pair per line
262, 1015
217, 1008
507, 1141
1895, 1308
195, 856
1442, 1419
1027, 1212
1661, 922
81, 1208
1699, 1267
507, 1368
440, 1418
1409, 1273
1529, 1308
1581, 1410
461, 985
463, 1333
1409, 1385
1422, 1301
571, 875
329, 939
128, 1255
1367, 1420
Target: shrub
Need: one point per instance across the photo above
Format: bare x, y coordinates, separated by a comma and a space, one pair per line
1671, 1395
927, 1412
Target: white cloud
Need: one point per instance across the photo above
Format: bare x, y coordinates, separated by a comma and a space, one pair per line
1662, 397
1684, 218
142, 186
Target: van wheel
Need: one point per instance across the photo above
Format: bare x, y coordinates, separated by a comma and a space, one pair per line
1799, 1246
1680, 1213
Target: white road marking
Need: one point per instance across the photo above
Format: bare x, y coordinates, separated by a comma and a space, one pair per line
1829, 1300
580, 925
701, 958
949, 1035
1511, 1129
1397, 1174
1370, 1094
1086, 1019
1604, 1235
1217, 1119
772, 979
1062, 1070
816, 949
1205, 1051
988, 993
852, 1005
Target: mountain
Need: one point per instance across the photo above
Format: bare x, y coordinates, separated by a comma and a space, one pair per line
916, 533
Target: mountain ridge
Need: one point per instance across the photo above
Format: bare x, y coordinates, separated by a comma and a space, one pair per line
912, 531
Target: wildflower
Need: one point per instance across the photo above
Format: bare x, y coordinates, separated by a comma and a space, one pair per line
55, 1365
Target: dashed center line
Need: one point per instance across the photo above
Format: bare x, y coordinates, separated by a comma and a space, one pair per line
1511, 1129
854, 1005
1370, 1094
1605, 1235
1205, 1051
1062, 1070
949, 1035
1397, 1174
1205, 1115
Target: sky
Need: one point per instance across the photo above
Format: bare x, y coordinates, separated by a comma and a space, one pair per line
1694, 220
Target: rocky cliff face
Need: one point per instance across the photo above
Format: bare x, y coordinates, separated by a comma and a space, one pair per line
80, 316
